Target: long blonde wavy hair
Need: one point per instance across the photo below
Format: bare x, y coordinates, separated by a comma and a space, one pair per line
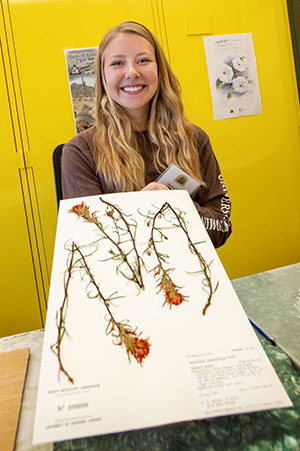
172, 136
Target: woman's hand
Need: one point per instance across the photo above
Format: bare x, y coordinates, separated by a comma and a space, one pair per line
154, 186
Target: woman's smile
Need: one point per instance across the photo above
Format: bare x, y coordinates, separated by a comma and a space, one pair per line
132, 89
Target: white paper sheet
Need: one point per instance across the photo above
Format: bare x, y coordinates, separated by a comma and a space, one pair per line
198, 366
232, 75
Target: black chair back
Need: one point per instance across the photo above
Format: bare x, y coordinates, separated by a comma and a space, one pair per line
56, 160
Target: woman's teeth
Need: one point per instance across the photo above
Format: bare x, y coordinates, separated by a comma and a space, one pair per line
132, 88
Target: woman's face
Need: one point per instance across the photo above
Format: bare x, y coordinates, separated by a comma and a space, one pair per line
130, 71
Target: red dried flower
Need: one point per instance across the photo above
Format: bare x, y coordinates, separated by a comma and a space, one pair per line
139, 348
81, 210
172, 295
173, 298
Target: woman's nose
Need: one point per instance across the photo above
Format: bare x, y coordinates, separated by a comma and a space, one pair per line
132, 71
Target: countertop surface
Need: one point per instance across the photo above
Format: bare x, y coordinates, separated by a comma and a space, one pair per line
272, 300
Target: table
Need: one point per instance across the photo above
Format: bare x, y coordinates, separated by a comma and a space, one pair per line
272, 300
276, 429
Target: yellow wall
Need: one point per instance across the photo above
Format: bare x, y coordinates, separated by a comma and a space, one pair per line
259, 155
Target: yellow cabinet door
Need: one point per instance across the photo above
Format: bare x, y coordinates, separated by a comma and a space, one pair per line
21, 306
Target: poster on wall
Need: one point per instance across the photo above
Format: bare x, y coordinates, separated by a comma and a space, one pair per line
81, 76
232, 75
143, 326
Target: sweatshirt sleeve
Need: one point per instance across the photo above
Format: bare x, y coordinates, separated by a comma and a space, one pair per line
212, 200
78, 171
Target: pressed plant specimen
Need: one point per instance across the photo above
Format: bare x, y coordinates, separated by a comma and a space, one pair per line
172, 294
165, 282
121, 331
61, 315
124, 232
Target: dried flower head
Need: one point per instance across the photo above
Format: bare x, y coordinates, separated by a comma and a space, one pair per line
172, 295
110, 212
138, 347
81, 210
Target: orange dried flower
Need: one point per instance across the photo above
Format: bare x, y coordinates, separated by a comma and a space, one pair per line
81, 210
172, 295
139, 348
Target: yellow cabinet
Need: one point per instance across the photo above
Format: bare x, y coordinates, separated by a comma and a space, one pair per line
259, 155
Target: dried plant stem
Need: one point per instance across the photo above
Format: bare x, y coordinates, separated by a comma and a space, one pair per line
139, 278
123, 255
82, 210
92, 279
205, 268
166, 284
160, 257
61, 328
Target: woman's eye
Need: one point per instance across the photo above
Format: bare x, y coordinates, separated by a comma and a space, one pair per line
144, 60
116, 63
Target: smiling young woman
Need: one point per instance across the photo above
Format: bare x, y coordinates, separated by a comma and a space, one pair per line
141, 129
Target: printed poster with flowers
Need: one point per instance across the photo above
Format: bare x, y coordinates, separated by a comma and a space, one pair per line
143, 326
232, 75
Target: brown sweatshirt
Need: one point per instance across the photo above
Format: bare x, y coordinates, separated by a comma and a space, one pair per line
81, 178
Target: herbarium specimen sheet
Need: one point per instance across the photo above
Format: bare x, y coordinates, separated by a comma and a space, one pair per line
143, 326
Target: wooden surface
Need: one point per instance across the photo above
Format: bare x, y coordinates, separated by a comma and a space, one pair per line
13, 367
